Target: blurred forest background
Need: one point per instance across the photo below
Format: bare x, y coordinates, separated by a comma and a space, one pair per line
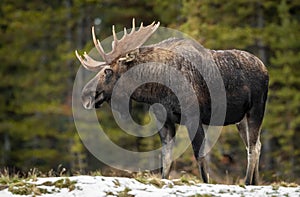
38, 67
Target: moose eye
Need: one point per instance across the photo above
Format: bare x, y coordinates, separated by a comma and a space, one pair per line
108, 72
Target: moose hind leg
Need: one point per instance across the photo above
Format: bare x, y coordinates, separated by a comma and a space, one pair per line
253, 159
249, 129
167, 135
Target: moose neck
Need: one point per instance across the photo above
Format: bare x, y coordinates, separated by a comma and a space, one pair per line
150, 67
150, 93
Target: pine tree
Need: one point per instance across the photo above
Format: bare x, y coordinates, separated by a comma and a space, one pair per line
284, 98
35, 114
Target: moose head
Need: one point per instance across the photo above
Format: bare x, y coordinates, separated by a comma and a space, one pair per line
118, 61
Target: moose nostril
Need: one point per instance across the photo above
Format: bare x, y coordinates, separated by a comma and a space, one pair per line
87, 102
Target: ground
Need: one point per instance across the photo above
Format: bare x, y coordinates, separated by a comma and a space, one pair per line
139, 186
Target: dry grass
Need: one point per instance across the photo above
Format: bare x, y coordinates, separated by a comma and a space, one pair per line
24, 184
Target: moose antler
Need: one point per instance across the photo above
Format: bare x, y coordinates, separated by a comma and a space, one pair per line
127, 43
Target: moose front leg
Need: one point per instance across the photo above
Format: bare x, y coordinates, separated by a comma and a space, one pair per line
197, 140
167, 135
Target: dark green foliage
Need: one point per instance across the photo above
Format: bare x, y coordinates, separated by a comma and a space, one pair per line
36, 125
37, 70
283, 122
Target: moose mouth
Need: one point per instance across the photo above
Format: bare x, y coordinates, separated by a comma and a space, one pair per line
99, 99
96, 101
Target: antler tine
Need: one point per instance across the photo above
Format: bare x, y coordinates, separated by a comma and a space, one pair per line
130, 41
89, 63
133, 26
98, 44
115, 41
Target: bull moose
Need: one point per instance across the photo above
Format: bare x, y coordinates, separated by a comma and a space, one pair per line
244, 76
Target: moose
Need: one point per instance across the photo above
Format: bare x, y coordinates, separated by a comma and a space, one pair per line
244, 76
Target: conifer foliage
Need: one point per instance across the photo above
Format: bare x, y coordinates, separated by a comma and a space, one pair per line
38, 67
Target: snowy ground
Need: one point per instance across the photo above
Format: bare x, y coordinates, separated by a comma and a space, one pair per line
115, 186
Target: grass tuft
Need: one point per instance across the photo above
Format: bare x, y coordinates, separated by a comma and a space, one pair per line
275, 186
125, 193
242, 186
149, 178
186, 179
96, 173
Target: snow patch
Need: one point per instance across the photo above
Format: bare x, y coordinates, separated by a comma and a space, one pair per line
93, 186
